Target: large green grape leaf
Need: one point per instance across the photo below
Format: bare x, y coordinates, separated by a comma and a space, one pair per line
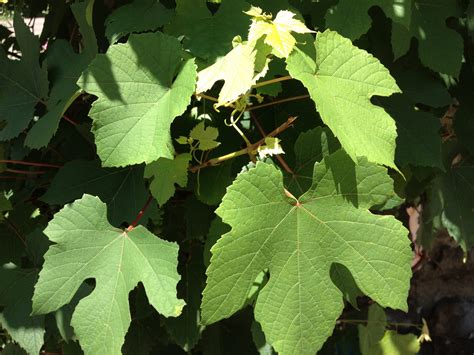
297, 241
23, 82
205, 35
16, 290
122, 189
351, 18
87, 246
141, 87
341, 79
139, 16
439, 47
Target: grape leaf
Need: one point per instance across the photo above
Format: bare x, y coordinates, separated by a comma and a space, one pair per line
213, 182
65, 68
236, 68
89, 247
142, 86
186, 329
351, 18
422, 86
16, 290
166, 173
464, 125
13, 349
298, 240
439, 47
418, 141
394, 343
205, 135
373, 332
458, 193
122, 189
139, 16
205, 35
374, 340
341, 79
24, 82
277, 32
82, 12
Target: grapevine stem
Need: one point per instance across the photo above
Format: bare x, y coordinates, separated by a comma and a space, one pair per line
21, 162
217, 161
140, 214
207, 97
26, 172
70, 120
278, 156
15, 231
71, 100
294, 98
272, 81
365, 321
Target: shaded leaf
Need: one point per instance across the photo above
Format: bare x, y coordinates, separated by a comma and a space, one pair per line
65, 67
138, 16
419, 139
206, 35
351, 18
166, 173
16, 291
23, 84
122, 189
439, 47
310, 147
458, 193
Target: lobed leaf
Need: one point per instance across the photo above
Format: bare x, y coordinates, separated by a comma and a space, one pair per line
297, 241
87, 246
341, 80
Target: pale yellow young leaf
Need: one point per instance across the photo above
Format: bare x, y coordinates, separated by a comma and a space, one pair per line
236, 69
278, 32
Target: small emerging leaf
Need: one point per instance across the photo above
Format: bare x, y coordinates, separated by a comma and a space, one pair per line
205, 135
166, 173
277, 32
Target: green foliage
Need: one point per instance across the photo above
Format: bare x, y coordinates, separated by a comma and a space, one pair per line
87, 246
374, 340
138, 98
166, 173
139, 16
341, 79
274, 147
309, 235
24, 83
